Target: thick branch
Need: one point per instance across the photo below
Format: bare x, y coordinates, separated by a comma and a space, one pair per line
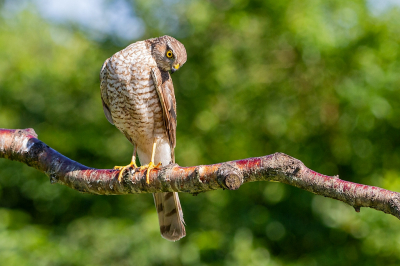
23, 146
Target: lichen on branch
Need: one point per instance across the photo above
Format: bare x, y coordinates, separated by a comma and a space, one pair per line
23, 145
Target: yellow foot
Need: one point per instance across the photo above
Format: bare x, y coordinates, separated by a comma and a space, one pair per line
149, 167
123, 168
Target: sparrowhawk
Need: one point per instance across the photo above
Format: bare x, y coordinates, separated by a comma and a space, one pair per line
138, 98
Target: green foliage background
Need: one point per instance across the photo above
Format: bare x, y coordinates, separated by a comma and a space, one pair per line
318, 80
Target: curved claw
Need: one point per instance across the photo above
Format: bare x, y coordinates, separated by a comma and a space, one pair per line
149, 167
123, 168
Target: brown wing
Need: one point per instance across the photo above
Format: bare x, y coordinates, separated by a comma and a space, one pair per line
165, 91
103, 88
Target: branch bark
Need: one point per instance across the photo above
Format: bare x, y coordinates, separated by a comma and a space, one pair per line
22, 145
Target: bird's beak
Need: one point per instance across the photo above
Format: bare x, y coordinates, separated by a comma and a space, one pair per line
174, 68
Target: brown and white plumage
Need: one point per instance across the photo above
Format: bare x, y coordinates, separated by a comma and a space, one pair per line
138, 98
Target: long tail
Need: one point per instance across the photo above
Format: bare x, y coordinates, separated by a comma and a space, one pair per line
170, 215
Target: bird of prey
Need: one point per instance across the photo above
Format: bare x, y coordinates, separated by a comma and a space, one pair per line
138, 98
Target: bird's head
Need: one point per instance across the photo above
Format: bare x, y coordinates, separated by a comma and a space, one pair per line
169, 53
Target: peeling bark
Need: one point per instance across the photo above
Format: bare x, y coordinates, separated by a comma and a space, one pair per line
22, 145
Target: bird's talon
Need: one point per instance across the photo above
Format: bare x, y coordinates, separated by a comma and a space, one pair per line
120, 175
149, 167
148, 176
123, 168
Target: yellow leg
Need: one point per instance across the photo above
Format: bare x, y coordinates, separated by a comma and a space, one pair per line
123, 168
151, 165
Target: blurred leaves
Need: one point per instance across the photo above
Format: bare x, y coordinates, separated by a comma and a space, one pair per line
317, 80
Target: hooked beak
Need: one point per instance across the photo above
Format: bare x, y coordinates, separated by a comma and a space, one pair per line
174, 68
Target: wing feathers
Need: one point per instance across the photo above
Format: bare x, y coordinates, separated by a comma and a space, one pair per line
103, 89
170, 215
107, 113
165, 91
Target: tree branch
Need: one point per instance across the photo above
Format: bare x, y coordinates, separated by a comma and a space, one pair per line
23, 146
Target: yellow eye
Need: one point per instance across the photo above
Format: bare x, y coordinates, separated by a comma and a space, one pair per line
169, 54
